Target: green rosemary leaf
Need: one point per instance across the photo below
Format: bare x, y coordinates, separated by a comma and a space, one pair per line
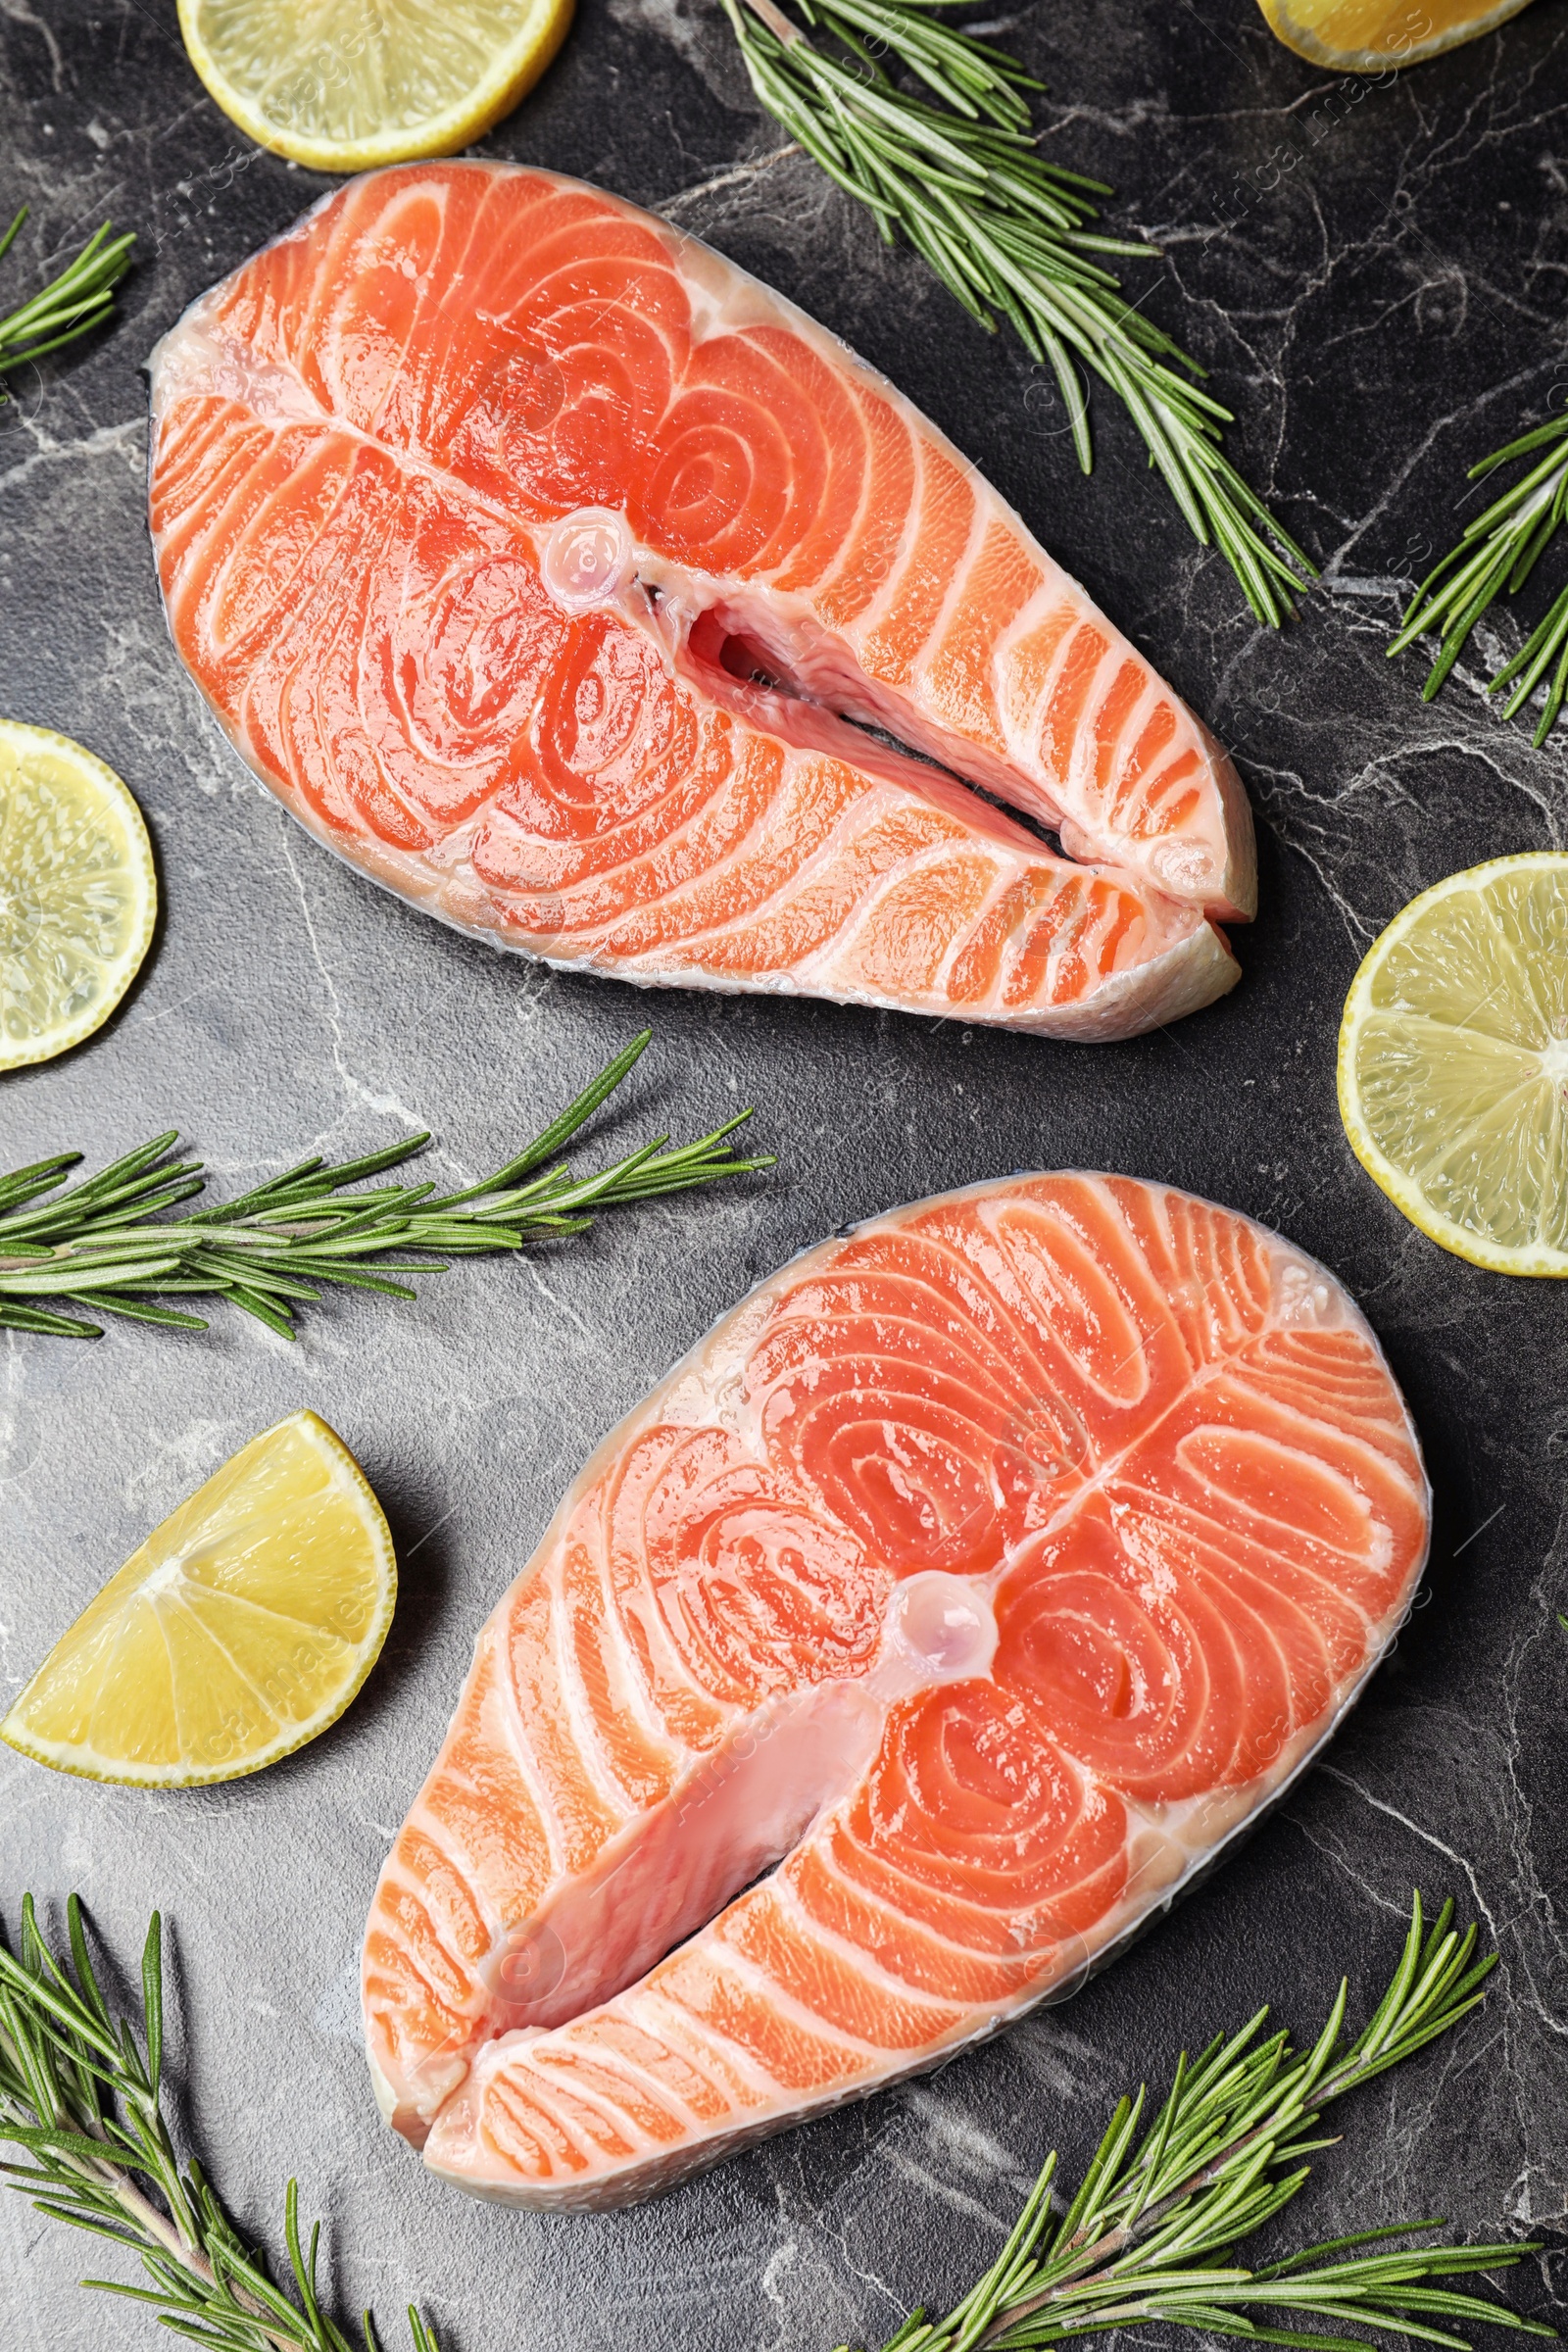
137, 1310
24, 1184
78, 299
86, 1980
276, 1318
109, 1242
1291, 2335
311, 1181
152, 1984
45, 1324
1549, 641
953, 168
79, 2220
560, 1130
55, 2135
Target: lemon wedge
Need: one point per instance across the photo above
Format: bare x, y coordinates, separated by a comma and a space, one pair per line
241, 1629
1368, 36
79, 897
1454, 1063
342, 85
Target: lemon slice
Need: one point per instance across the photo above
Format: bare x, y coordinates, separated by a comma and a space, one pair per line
79, 897
341, 86
1366, 36
238, 1631
1454, 1063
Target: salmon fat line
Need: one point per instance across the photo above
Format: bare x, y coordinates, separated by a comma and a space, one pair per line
1149, 2236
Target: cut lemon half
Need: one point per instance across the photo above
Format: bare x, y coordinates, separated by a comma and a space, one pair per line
1454, 1063
241, 1629
1368, 37
79, 897
342, 85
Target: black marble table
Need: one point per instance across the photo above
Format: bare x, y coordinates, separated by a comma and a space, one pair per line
1376, 276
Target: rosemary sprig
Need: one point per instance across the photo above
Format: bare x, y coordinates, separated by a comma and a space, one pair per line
80, 2095
1495, 556
1150, 2234
1008, 234
107, 1245
80, 298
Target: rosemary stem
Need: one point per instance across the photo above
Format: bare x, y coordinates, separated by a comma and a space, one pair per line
144, 2214
777, 23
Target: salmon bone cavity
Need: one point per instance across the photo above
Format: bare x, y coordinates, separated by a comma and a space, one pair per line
588, 558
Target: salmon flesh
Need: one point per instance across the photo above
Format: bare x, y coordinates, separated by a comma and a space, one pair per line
976, 1580
556, 574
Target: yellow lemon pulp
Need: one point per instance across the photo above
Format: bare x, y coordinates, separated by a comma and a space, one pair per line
342, 85
78, 898
1454, 1063
1368, 36
239, 1629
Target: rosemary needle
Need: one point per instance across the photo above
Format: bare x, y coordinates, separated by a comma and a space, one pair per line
81, 2094
107, 1244
78, 299
957, 173
1494, 557
1149, 2236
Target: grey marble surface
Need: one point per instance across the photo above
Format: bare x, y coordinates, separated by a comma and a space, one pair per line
1376, 275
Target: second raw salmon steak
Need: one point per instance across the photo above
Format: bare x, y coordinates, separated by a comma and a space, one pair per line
977, 1578
554, 572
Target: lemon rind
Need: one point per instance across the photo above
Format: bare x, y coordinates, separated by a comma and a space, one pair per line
461, 123
64, 1036
58, 1756
1305, 43
1537, 1259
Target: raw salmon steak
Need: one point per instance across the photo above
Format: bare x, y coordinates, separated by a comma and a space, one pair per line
556, 573
976, 1579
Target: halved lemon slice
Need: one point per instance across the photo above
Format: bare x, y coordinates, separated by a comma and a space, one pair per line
79, 897
238, 1631
1368, 36
1454, 1063
342, 85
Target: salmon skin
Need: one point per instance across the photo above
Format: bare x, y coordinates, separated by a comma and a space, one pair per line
553, 572
978, 1577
